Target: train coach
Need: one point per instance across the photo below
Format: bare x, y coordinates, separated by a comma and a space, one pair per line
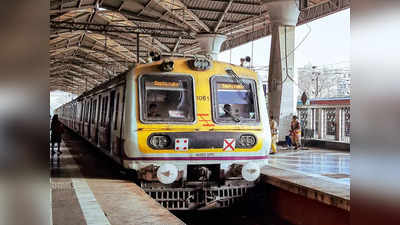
195, 132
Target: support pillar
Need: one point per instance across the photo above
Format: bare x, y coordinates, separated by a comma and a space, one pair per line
282, 89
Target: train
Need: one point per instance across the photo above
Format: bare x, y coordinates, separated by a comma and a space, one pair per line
193, 131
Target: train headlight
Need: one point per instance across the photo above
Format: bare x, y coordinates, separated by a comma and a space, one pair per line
167, 173
167, 66
159, 142
248, 140
199, 64
250, 171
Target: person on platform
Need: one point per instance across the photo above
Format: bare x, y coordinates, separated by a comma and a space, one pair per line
273, 125
57, 131
295, 132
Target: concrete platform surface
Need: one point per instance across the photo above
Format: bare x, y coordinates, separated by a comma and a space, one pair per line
87, 188
322, 175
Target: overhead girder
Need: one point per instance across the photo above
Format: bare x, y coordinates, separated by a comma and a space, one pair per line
160, 18
79, 67
223, 15
76, 72
93, 53
112, 37
73, 77
99, 44
239, 2
72, 83
69, 85
78, 82
63, 86
107, 53
76, 56
308, 14
263, 17
233, 12
122, 38
85, 59
173, 7
109, 28
63, 38
84, 66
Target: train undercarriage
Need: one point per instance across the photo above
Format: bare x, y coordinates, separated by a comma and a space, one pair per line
205, 187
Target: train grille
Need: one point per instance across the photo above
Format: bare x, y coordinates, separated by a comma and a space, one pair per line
199, 198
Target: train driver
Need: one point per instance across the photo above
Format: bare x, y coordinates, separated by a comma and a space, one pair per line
153, 110
227, 110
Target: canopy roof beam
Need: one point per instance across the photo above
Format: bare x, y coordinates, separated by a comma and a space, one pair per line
223, 15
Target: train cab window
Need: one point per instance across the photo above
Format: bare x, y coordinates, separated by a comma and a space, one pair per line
233, 101
167, 98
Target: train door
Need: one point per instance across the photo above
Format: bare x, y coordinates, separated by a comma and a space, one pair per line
103, 137
90, 118
110, 120
86, 122
96, 141
85, 109
83, 118
115, 131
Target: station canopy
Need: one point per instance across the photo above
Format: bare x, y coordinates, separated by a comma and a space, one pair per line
94, 40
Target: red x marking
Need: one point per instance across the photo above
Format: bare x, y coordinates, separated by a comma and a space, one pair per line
229, 144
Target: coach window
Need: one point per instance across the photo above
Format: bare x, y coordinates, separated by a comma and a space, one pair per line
167, 98
234, 101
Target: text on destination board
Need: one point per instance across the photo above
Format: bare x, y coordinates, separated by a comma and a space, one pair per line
165, 84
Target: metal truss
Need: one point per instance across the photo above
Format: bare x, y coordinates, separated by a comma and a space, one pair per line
154, 32
306, 15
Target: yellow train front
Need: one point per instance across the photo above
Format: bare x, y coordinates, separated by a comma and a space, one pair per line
196, 131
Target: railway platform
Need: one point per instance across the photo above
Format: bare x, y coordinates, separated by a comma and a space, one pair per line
309, 186
86, 191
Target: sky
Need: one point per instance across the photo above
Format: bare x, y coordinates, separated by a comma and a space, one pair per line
327, 43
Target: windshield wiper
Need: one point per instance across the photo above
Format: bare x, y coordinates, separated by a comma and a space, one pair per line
236, 77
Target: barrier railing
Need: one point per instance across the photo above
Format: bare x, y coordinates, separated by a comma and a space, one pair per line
326, 122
